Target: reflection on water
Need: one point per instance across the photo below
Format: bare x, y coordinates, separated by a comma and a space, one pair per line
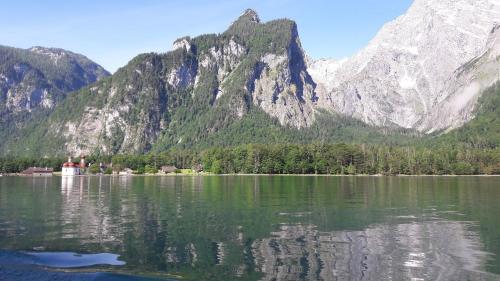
435, 250
261, 228
29, 266
69, 260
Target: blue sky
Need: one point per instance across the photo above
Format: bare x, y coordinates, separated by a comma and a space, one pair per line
114, 31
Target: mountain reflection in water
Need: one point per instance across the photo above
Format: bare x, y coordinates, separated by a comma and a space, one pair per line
434, 250
263, 228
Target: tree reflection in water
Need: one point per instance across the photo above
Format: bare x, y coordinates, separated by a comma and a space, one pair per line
264, 228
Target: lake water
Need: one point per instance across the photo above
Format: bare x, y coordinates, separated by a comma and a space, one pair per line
250, 228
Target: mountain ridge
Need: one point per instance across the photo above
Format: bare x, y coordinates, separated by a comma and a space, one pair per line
34, 81
39, 77
204, 84
256, 81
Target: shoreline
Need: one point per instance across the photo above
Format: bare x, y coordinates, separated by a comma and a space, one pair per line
226, 175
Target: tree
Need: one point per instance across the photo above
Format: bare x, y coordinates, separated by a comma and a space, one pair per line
150, 169
94, 169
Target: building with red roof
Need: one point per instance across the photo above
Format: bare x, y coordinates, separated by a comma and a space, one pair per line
71, 169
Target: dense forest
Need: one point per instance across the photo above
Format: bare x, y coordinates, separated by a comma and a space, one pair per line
334, 159
343, 159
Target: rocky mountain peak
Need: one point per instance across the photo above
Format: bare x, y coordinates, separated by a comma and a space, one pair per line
414, 68
182, 43
249, 15
53, 53
206, 85
46, 50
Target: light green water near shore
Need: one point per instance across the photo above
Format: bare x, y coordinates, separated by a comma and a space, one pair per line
263, 227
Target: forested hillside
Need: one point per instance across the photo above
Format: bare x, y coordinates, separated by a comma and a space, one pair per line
34, 81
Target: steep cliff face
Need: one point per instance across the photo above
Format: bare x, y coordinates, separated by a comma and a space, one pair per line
203, 85
279, 83
37, 78
283, 88
398, 78
122, 112
457, 101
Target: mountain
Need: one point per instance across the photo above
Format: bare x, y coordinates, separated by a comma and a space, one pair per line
459, 96
200, 87
34, 81
37, 78
425, 72
483, 131
400, 77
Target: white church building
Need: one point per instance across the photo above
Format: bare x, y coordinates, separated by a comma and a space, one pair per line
73, 169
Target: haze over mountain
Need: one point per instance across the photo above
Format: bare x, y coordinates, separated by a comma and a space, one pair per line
424, 71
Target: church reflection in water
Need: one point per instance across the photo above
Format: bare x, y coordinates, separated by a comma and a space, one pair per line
85, 214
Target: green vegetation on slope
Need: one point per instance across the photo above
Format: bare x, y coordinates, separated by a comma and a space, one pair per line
161, 117
71, 72
481, 132
159, 114
27, 77
258, 128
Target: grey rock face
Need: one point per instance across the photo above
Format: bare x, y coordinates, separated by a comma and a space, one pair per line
108, 127
458, 98
213, 73
398, 78
283, 88
39, 77
25, 90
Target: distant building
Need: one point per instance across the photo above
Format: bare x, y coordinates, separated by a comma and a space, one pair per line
71, 169
35, 171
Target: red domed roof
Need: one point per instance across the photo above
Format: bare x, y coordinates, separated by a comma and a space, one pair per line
70, 164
